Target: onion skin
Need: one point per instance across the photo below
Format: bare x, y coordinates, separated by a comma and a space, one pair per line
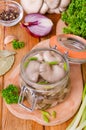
38, 24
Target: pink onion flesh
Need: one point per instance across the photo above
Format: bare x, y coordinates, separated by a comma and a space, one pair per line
38, 24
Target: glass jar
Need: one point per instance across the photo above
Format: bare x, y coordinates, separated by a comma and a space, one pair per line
43, 95
11, 13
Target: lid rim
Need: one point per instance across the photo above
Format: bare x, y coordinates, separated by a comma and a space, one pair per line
73, 56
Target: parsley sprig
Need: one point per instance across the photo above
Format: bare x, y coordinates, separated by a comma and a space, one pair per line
18, 44
75, 18
10, 94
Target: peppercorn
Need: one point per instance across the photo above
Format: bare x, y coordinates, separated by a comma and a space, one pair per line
8, 15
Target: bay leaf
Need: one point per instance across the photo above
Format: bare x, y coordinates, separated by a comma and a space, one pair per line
6, 53
6, 64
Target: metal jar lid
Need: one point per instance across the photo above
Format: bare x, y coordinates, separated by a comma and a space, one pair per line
74, 46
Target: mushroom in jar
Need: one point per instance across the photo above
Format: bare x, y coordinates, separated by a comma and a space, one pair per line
39, 57
52, 73
50, 56
32, 71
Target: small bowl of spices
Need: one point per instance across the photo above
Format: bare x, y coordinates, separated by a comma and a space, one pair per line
11, 13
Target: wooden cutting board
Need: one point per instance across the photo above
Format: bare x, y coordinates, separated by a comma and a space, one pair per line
64, 110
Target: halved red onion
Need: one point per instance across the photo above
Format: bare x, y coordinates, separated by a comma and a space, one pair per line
38, 24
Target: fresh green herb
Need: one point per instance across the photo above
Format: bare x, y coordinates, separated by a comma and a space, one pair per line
75, 18
26, 64
45, 113
33, 58
53, 63
79, 122
46, 119
54, 114
17, 44
84, 92
43, 82
30, 59
10, 94
65, 66
83, 118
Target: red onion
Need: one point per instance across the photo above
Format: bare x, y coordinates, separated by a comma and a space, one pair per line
38, 24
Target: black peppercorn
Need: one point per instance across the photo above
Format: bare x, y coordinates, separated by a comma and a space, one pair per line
8, 15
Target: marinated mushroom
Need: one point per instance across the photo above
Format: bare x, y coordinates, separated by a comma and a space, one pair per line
39, 56
32, 71
51, 56
52, 73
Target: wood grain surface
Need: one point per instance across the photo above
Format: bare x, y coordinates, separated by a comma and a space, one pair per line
7, 120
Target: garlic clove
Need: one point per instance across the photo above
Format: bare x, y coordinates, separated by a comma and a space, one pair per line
9, 39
